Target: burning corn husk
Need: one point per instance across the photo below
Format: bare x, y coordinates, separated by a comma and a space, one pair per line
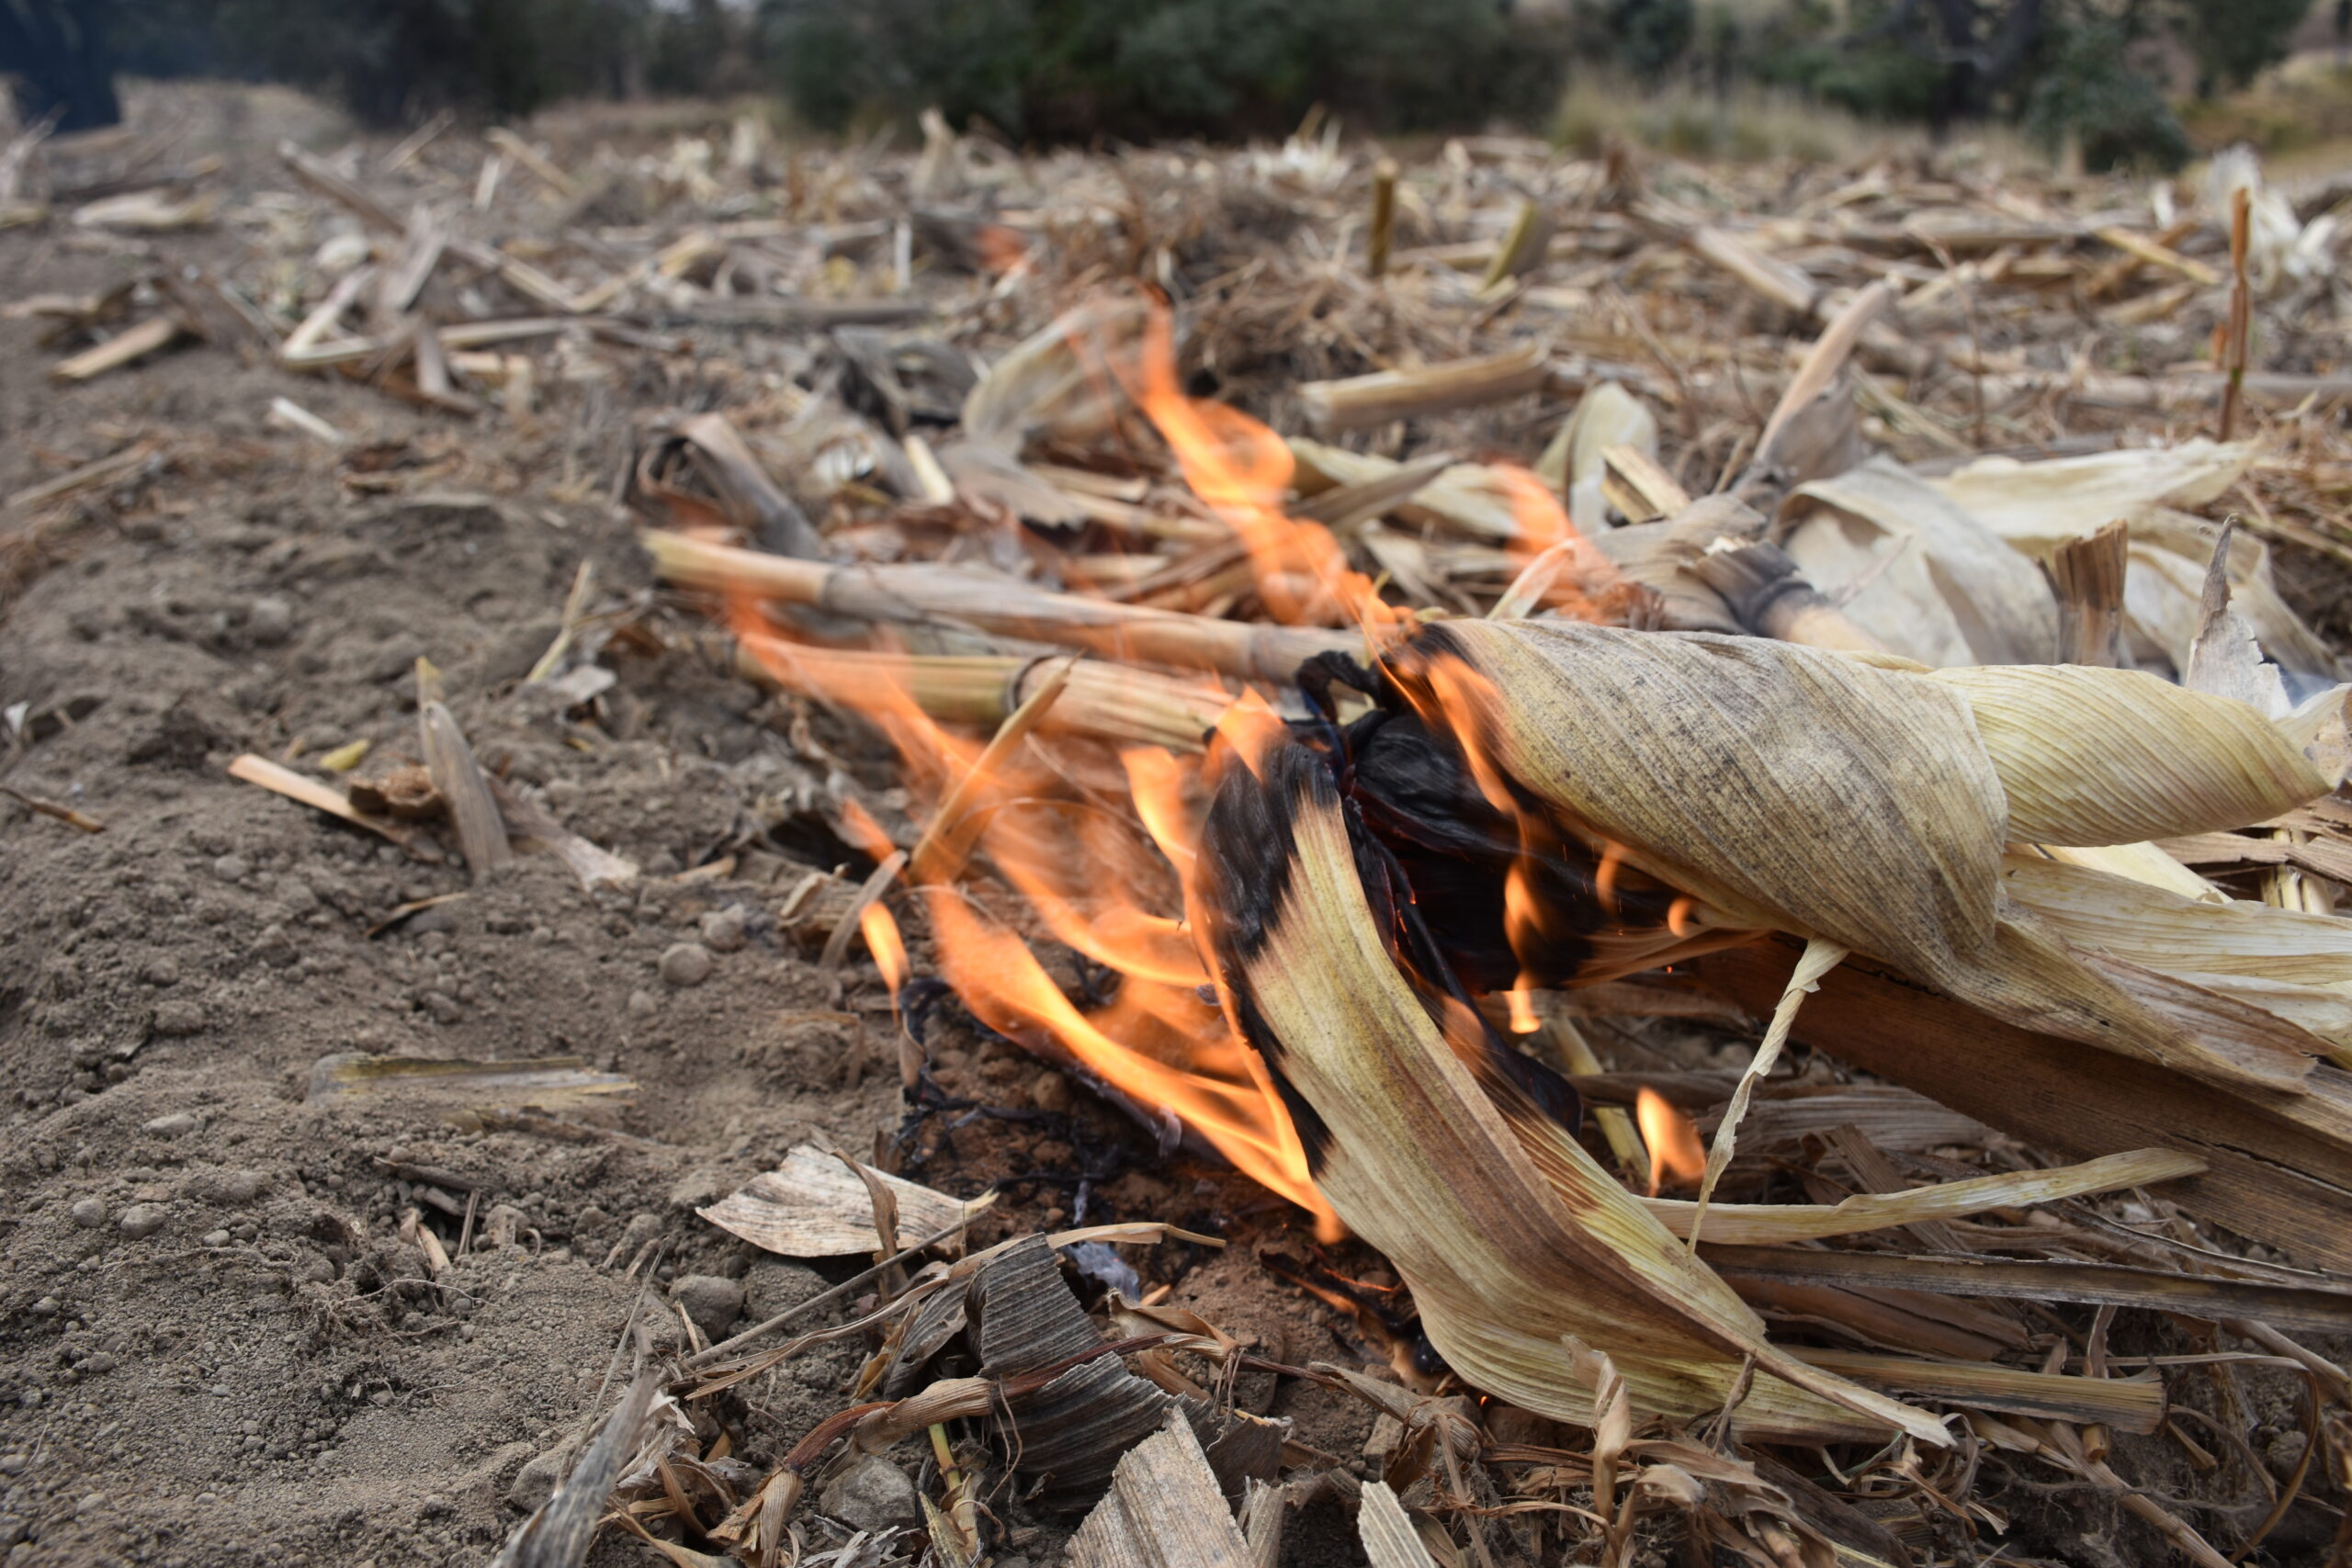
1559, 803
1863, 801
1429, 1140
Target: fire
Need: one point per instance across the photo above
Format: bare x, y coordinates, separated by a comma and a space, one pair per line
1241, 468
1098, 849
1110, 881
1000, 249
889, 949
859, 824
1673, 1142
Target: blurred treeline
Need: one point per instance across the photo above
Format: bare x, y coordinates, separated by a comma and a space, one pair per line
2096, 75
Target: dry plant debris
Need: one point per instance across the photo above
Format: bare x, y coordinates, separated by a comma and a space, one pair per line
1639, 602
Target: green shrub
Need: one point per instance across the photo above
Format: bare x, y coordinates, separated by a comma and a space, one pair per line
1847, 61
1073, 69
2231, 43
390, 60
2086, 91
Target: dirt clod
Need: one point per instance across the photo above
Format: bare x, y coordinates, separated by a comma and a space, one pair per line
536, 1481
1050, 1092
871, 1494
686, 963
722, 931
714, 1303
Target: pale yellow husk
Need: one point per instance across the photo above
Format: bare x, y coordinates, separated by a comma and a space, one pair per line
2038, 506
1473, 497
2035, 505
2090, 756
1926, 578
1758, 1223
2293, 966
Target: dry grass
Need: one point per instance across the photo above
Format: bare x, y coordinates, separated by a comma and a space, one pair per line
2298, 116
1744, 125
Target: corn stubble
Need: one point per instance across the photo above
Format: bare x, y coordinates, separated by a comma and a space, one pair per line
1857, 801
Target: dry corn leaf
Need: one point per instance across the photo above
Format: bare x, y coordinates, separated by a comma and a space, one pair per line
1511, 1237
2036, 505
1658, 557
1607, 415
814, 1206
2139, 863
1056, 383
1763, 1223
1786, 787
1473, 497
2295, 966
2169, 553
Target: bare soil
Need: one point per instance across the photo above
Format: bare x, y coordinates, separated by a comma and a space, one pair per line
267, 1374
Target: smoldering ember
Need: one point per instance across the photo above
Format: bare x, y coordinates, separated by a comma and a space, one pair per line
730, 850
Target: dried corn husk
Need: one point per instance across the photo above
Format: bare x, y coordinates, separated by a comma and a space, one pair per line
814, 1206
1058, 383
1660, 556
2090, 756
1710, 761
2296, 966
1512, 1238
1473, 497
1608, 416
1860, 801
2038, 506
2140, 862
1766, 1223
1937, 585
2035, 505
2169, 553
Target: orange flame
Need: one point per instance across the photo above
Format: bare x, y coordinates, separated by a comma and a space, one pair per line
1673, 1142
1000, 249
889, 949
1107, 885
859, 826
1104, 859
1241, 469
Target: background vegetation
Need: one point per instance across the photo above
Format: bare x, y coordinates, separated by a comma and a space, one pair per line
2097, 75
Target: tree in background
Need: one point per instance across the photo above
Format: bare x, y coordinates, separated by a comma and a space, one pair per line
1071, 70
2088, 73
2232, 41
56, 51
389, 60
2084, 92
1649, 35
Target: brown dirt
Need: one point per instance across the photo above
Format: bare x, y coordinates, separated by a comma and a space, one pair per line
268, 1375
